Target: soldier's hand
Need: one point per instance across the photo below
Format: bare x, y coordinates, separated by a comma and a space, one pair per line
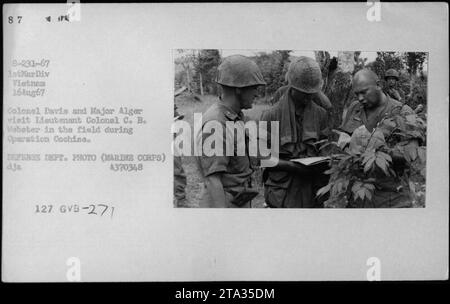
396, 95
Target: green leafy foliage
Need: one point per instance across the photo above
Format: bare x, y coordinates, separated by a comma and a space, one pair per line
206, 65
413, 79
273, 66
355, 171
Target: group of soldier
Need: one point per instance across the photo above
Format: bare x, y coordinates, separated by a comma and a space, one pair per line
301, 110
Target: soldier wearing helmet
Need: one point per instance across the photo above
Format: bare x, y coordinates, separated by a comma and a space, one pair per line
227, 178
301, 124
319, 98
391, 77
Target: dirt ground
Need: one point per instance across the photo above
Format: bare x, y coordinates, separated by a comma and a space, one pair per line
187, 106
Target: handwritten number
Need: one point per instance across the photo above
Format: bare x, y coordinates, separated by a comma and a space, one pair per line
92, 211
104, 210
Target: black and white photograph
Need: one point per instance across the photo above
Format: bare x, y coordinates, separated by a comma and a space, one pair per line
212, 143
351, 128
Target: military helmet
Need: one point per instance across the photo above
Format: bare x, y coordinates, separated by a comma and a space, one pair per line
239, 71
304, 75
391, 73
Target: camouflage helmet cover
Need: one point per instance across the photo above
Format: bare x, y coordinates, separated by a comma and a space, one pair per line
239, 71
391, 73
304, 75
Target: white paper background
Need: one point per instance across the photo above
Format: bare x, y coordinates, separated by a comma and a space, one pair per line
121, 55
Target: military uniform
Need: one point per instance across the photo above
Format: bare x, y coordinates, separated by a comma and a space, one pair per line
179, 176
387, 193
235, 170
179, 182
309, 124
356, 115
320, 98
396, 94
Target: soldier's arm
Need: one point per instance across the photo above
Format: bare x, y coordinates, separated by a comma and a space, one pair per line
396, 94
322, 100
348, 124
215, 188
213, 167
323, 124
